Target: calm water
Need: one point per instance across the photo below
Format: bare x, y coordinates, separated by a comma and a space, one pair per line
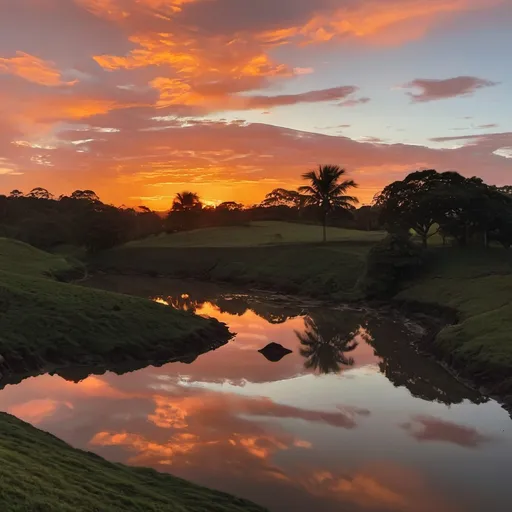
351, 420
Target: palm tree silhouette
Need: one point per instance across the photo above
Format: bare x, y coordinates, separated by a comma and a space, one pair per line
185, 201
325, 351
328, 192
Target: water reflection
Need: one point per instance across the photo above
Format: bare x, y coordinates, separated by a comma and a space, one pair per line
327, 338
324, 345
375, 435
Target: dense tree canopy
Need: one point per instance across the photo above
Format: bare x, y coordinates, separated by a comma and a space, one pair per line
461, 208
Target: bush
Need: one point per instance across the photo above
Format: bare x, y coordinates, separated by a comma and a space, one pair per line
388, 263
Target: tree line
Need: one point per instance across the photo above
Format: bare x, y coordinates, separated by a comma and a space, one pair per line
465, 210
80, 219
425, 203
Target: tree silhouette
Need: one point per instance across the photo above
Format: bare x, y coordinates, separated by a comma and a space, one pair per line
324, 347
327, 192
284, 197
40, 193
186, 201
88, 195
230, 206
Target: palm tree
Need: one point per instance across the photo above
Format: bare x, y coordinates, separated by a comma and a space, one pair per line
185, 201
324, 347
327, 191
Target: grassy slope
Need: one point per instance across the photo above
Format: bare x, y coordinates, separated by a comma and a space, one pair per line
306, 268
39, 472
257, 233
24, 259
478, 284
42, 320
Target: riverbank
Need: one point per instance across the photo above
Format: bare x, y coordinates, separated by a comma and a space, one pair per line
280, 256
40, 472
46, 324
314, 270
476, 287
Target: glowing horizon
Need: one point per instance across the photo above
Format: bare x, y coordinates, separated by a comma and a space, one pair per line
140, 99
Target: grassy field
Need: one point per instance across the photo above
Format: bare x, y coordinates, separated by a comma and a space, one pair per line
44, 322
478, 284
257, 233
315, 270
253, 256
40, 473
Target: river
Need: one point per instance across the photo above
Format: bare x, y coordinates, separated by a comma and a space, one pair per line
353, 419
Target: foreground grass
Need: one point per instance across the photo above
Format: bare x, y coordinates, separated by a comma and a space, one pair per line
478, 285
258, 233
40, 473
45, 322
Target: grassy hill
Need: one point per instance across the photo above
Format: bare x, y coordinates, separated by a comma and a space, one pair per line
20, 258
254, 255
40, 473
44, 323
258, 233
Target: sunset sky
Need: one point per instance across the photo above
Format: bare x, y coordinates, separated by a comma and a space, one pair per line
140, 99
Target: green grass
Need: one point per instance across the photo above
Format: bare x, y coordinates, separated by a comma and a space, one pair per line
257, 233
307, 269
478, 284
280, 256
40, 473
21, 258
43, 321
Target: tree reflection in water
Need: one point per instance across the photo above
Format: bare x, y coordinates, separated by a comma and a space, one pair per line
328, 337
325, 343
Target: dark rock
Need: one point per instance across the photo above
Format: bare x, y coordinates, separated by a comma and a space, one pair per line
274, 352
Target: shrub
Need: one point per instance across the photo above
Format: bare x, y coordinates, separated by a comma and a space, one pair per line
388, 263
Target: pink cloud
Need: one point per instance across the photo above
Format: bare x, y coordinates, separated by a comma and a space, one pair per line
426, 428
221, 160
332, 94
354, 102
441, 89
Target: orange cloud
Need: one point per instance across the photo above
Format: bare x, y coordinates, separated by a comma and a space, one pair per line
147, 451
177, 92
34, 411
385, 486
33, 69
394, 21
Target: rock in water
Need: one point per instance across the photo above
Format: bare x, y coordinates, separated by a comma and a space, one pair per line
274, 352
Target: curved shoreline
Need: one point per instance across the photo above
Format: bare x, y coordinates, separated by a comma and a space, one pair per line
431, 316
210, 337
